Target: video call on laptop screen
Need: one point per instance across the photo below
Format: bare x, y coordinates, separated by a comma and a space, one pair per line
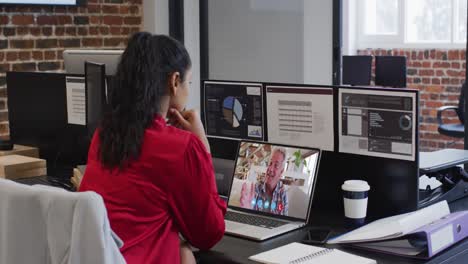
274, 179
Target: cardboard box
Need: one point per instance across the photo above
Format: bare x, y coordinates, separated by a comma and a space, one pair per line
17, 166
21, 150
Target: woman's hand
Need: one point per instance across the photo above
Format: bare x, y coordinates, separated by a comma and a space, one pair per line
189, 120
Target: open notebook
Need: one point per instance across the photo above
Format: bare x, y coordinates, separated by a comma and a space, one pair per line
297, 253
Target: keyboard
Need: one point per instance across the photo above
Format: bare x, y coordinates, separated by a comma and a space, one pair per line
45, 180
254, 220
34, 180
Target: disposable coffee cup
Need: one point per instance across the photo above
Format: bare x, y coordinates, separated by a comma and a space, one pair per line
355, 196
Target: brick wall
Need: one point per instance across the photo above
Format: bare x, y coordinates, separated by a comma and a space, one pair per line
32, 38
438, 75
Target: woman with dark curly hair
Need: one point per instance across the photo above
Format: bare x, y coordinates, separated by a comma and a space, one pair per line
157, 180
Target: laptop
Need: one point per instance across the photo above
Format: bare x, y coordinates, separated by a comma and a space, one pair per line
272, 189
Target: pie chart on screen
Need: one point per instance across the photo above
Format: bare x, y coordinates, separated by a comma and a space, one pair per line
232, 111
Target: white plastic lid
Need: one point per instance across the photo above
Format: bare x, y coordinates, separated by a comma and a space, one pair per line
355, 186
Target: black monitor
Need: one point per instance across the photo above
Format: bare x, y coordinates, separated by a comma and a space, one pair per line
233, 110
357, 70
377, 131
390, 71
95, 93
37, 112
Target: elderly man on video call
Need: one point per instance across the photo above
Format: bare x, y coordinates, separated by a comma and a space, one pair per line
270, 196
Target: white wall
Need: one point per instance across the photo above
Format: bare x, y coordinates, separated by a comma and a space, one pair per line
349, 27
268, 40
192, 43
156, 16
156, 20
318, 41
256, 40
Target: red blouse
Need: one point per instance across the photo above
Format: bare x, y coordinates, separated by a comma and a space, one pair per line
169, 190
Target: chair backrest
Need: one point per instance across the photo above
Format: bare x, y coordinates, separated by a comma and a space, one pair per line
461, 104
43, 224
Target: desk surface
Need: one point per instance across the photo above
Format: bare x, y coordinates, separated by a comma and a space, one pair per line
236, 250
442, 159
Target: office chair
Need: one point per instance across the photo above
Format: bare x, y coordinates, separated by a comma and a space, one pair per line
453, 130
42, 224
390, 71
357, 70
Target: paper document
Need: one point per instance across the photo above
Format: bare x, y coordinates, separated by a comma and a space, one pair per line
395, 226
76, 100
377, 123
300, 116
300, 253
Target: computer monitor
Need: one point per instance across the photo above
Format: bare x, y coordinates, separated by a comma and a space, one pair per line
74, 59
357, 70
95, 93
233, 110
378, 122
300, 115
390, 71
37, 112
377, 142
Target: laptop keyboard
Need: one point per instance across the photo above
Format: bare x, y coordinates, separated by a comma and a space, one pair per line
254, 220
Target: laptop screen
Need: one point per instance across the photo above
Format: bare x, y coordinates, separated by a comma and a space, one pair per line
274, 179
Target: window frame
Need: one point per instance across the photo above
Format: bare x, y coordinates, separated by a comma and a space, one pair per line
399, 40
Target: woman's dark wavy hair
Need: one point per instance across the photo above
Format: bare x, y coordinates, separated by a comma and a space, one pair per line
134, 97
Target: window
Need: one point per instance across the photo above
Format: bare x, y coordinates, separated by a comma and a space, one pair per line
382, 17
411, 23
460, 21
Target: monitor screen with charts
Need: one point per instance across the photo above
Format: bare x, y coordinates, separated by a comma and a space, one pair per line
378, 122
234, 110
301, 116
274, 179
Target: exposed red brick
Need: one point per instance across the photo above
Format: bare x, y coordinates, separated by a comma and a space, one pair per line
453, 55
23, 30
92, 42
124, 9
49, 55
35, 36
94, 30
110, 9
93, 8
38, 55
35, 31
24, 55
22, 19
439, 64
82, 31
104, 30
453, 73
12, 56
132, 20
95, 20
115, 30
4, 20
112, 20
71, 31
455, 65
427, 72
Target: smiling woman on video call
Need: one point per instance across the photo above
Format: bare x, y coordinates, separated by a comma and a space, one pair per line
157, 180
